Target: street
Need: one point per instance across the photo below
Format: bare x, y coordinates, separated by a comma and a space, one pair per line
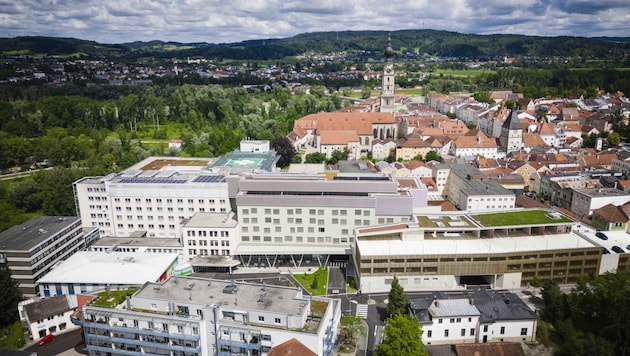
62, 345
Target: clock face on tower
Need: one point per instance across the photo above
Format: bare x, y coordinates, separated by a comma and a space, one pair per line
388, 70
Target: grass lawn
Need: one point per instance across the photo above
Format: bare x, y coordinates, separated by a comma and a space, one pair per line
519, 217
351, 285
462, 73
12, 336
118, 296
306, 280
410, 91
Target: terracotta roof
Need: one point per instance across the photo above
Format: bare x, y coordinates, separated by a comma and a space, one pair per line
361, 122
532, 139
546, 129
479, 140
414, 163
291, 348
341, 137
611, 213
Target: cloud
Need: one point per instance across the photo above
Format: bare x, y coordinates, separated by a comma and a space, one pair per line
218, 21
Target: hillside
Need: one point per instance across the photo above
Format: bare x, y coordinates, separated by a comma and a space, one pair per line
371, 43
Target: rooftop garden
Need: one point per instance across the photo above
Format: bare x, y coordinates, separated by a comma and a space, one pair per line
315, 283
523, 217
443, 221
114, 298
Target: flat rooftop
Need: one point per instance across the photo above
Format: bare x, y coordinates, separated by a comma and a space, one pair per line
157, 163
216, 220
521, 217
137, 241
30, 234
117, 268
369, 248
193, 290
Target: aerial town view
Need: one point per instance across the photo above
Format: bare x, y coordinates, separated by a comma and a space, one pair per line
269, 178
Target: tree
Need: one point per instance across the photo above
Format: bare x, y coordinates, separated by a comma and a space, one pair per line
10, 296
397, 299
315, 284
337, 156
613, 139
285, 149
351, 327
555, 302
433, 156
402, 336
366, 91
315, 157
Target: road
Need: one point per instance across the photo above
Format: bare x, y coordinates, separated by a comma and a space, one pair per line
62, 345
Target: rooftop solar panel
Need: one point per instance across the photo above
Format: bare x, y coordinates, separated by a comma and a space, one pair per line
209, 179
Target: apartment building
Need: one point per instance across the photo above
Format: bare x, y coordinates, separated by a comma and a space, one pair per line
483, 315
32, 249
449, 251
586, 200
194, 316
468, 189
308, 217
47, 315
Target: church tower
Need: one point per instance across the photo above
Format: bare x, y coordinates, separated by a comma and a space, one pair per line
511, 138
387, 88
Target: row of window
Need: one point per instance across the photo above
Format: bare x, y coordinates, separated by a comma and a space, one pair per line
211, 233
472, 331
169, 200
205, 243
298, 211
150, 226
204, 252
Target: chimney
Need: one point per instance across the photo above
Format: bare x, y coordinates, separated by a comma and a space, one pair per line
436, 302
471, 301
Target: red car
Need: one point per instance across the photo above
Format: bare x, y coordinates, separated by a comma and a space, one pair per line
46, 339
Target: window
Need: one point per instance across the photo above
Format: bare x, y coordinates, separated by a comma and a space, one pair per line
463, 332
485, 328
452, 320
446, 333
459, 320
472, 331
277, 320
261, 318
523, 331
439, 321
429, 333
502, 330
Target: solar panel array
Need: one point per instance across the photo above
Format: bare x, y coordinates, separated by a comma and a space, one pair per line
209, 179
153, 180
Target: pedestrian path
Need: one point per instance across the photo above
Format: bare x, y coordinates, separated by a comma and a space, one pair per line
362, 311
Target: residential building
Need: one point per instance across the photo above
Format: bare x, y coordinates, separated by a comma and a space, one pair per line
50, 315
88, 271
32, 249
194, 316
610, 217
468, 189
475, 143
586, 200
480, 316
622, 167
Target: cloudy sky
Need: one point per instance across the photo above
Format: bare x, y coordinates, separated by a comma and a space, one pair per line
217, 21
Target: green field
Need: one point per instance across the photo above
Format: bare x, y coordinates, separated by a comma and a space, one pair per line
523, 217
462, 73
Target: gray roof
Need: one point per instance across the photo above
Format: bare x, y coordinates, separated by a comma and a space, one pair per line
44, 308
512, 122
30, 234
490, 305
501, 306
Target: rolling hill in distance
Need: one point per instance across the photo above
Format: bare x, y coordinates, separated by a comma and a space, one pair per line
372, 43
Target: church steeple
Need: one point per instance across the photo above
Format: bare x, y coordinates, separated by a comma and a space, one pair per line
387, 87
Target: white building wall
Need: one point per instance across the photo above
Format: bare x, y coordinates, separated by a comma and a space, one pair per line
454, 325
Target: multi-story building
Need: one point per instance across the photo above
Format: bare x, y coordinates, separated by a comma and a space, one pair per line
483, 315
468, 189
622, 167
32, 249
586, 200
449, 251
47, 315
194, 316
154, 201
300, 217
138, 244
208, 236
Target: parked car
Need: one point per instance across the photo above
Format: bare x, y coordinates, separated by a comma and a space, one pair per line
46, 339
601, 235
618, 249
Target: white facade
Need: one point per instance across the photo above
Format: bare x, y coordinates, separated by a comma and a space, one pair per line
210, 234
297, 214
584, 201
152, 201
47, 315
201, 317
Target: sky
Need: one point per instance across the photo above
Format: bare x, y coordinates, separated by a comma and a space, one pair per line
226, 21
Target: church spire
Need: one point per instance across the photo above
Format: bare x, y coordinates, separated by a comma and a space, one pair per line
387, 88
